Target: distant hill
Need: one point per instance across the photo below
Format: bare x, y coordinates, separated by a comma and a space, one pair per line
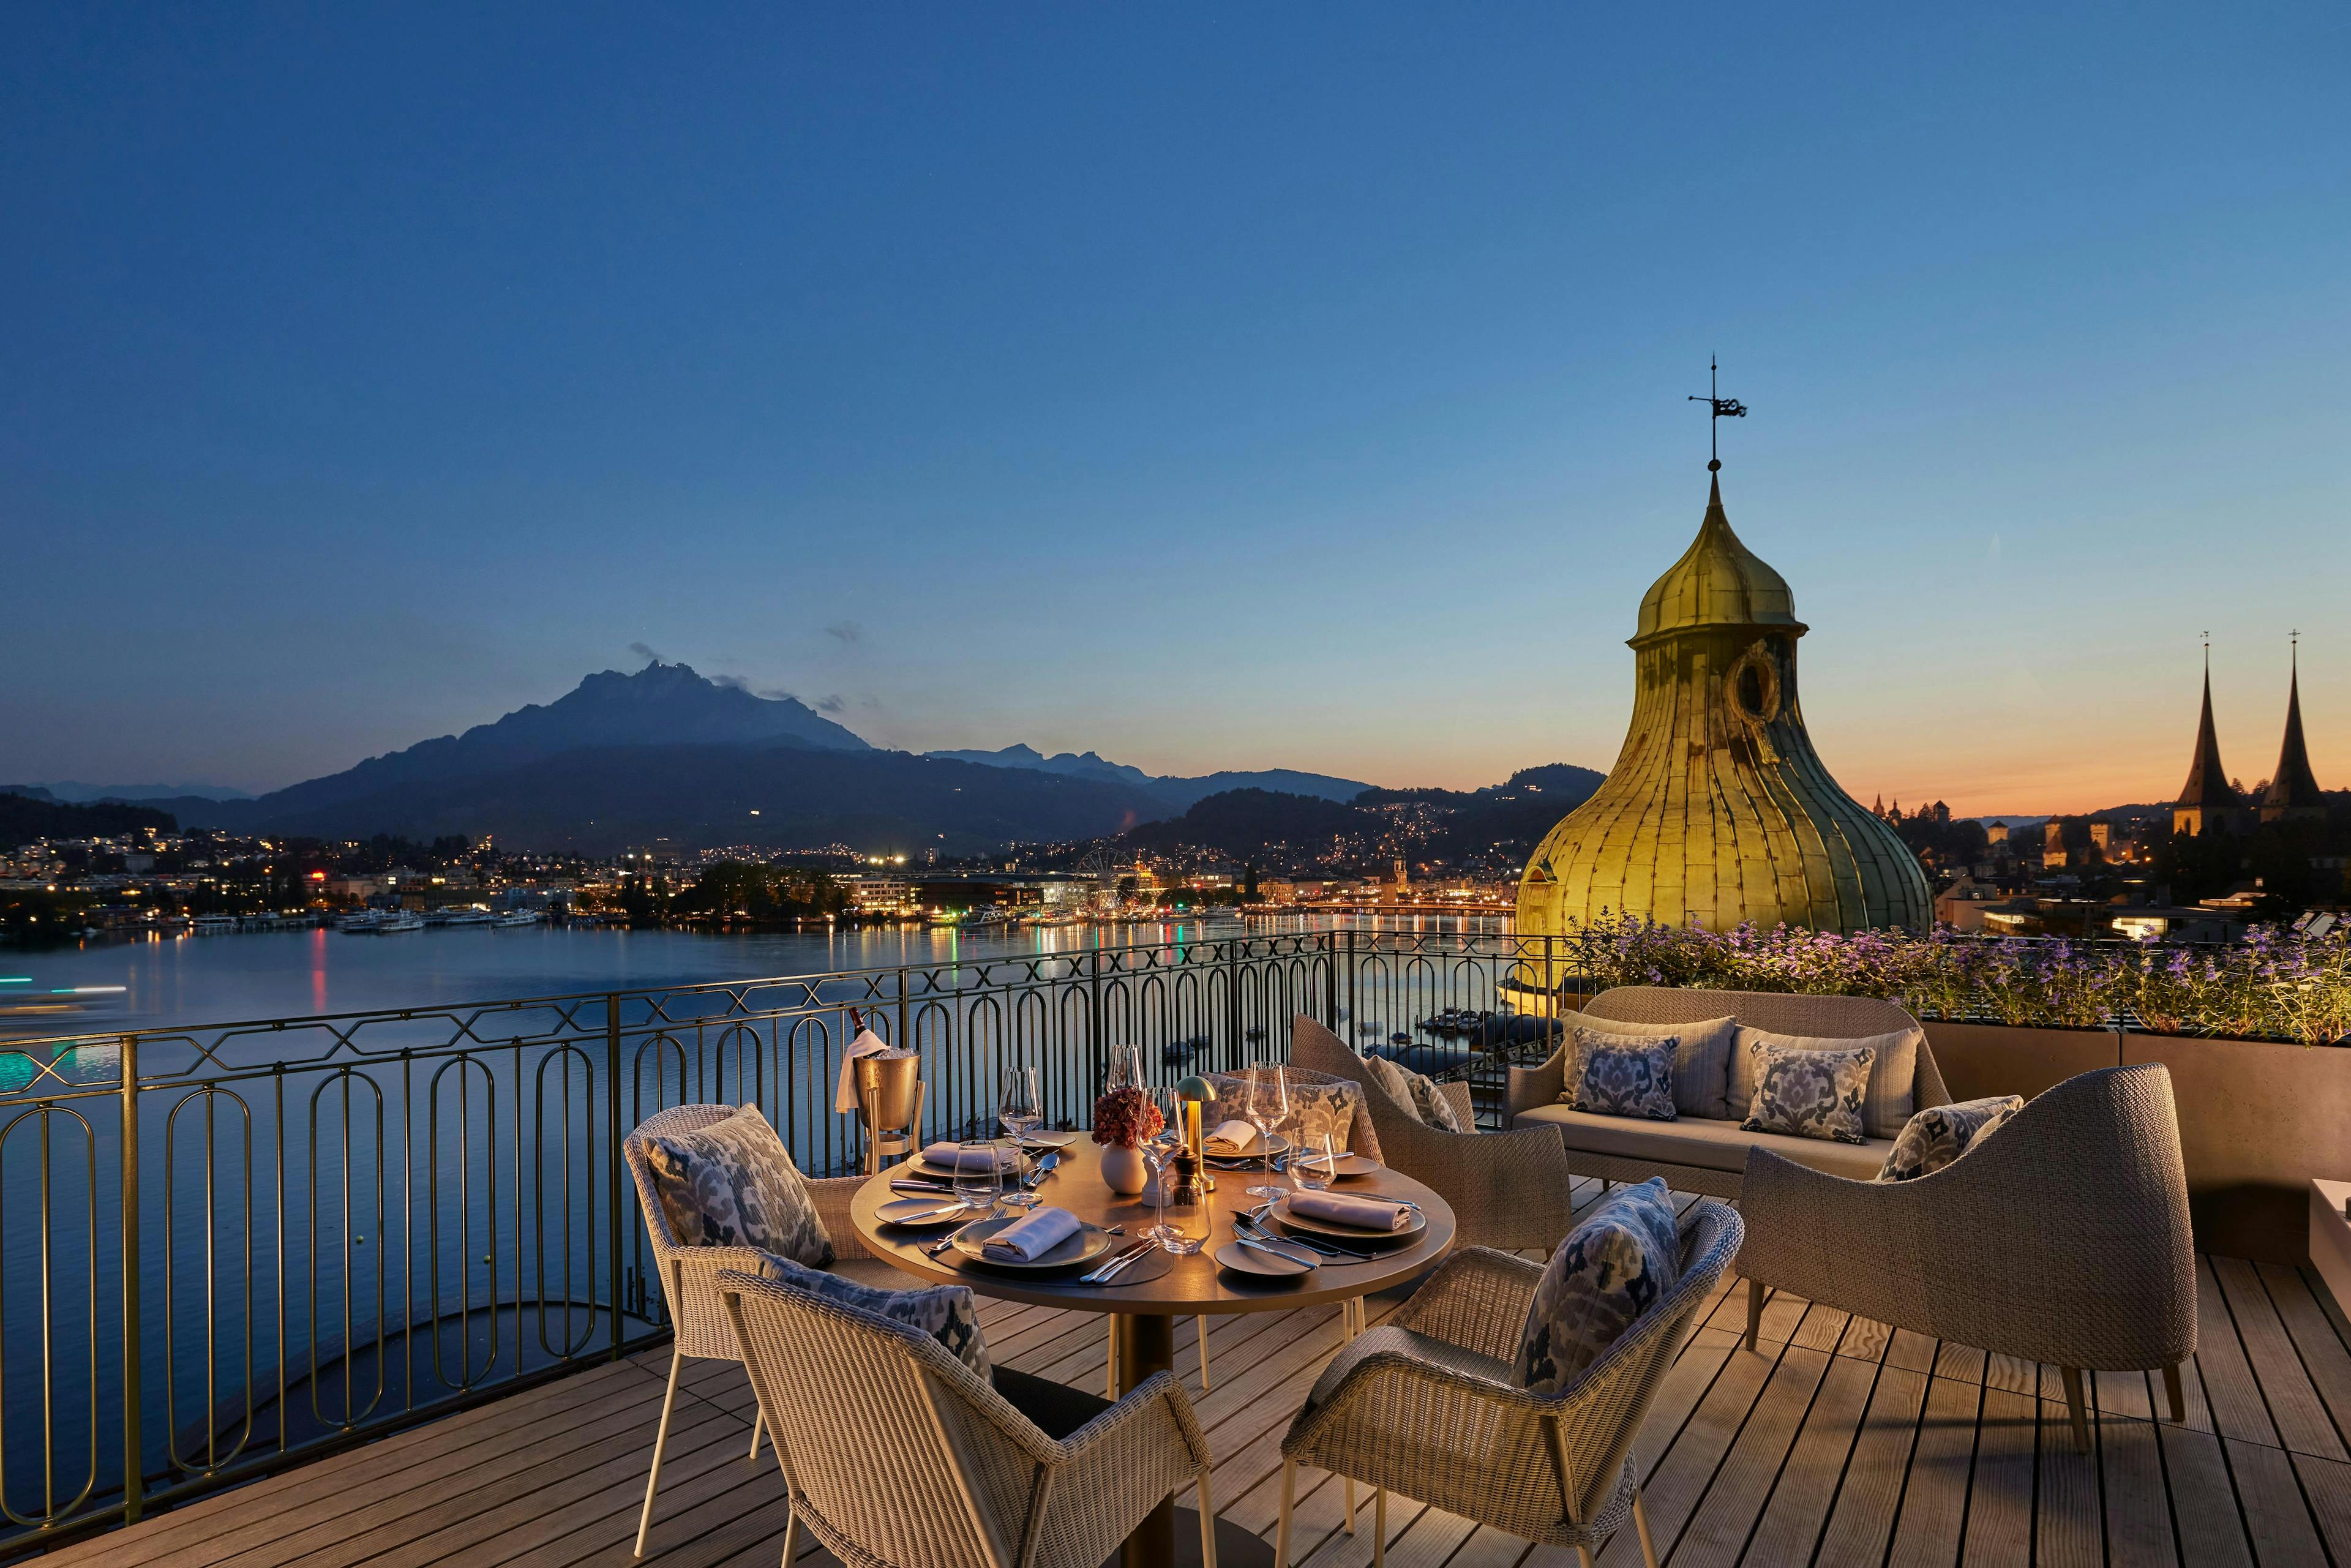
1179, 792
1503, 820
74, 789
24, 817
1251, 822
602, 800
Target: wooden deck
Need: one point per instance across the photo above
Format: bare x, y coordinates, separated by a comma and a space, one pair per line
1840, 1442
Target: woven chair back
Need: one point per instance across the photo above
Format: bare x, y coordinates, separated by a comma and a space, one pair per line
700, 1324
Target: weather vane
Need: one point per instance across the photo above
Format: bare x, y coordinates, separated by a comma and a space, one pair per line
1719, 407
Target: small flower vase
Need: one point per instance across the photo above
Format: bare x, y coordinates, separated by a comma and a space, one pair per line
1123, 1171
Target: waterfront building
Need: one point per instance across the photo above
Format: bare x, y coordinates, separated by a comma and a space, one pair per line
1718, 810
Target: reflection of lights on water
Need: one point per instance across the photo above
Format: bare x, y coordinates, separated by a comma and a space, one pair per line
86, 991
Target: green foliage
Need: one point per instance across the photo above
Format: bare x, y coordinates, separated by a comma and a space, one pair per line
745, 891
24, 819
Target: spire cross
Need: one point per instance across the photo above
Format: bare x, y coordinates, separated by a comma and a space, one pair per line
1717, 408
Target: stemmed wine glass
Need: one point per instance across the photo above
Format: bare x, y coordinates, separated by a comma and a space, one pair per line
1020, 1110
1267, 1109
1159, 1157
1126, 1069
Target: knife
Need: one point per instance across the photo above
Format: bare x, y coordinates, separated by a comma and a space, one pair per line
1108, 1271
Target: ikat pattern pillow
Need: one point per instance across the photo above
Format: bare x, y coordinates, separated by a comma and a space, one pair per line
946, 1313
1809, 1093
1613, 1268
733, 1184
1416, 1092
1625, 1075
1941, 1133
1316, 1107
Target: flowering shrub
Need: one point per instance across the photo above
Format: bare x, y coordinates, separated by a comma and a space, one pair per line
1125, 1117
2271, 985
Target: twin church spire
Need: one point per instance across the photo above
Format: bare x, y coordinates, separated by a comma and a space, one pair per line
2207, 803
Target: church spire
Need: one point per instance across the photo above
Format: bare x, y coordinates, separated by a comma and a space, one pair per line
2205, 802
2293, 789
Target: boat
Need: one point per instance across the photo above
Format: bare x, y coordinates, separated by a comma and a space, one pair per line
514, 919
214, 925
360, 923
475, 917
401, 920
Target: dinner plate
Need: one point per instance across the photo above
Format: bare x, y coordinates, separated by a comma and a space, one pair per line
1243, 1260
946, 1173
1279, 1145
1046, 1139
1090, 1243
1350, 1165
923, 1213
1415, 1223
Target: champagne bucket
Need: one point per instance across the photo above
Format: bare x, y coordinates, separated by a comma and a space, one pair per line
886, 1086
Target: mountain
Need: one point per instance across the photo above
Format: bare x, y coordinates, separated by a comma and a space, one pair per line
600, 799
1177, 792
74, 789
1500, 824
661, 705
24, 817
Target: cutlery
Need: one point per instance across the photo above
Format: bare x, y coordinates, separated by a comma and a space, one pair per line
1245, 1239
943, 1242
929, 1213
1045, 1164
1110, 1270
906, 1185
1316, 1244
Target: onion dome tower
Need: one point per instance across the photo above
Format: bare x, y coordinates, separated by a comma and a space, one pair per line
2293, 794
1718, 811
2206, 804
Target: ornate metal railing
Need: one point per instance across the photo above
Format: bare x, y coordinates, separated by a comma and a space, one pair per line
225, 1248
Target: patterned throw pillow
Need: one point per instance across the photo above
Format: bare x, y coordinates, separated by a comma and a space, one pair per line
1701, 1066
1416, 1092
1885, 1104
1941, 1133
733, 1184
1614, 1267
946, 1313
1318, 1105
1625, 1075
1809, 1093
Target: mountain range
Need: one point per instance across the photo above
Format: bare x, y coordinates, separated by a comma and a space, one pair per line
74, 791
667, 753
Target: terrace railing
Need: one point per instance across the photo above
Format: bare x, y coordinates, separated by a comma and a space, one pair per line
225, 1248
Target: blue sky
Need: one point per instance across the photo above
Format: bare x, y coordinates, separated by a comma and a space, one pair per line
1213, 387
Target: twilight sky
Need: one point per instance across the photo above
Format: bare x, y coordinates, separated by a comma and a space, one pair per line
1210, 386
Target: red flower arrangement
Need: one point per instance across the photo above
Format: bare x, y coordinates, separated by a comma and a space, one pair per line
1125, 1117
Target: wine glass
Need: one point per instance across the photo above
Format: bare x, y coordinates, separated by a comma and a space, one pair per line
978, 1176
1020, 1110
1125, 1071
1159, 1153
1267, 1109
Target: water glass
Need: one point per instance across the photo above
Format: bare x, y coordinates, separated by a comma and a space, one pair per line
1268, 1108
979, 1175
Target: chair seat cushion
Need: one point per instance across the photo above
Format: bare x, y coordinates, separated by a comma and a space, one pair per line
1056, 1407
1706, 1144
1617, 1264
1941, 1133
1419, 1347
946, 1313
733, 1184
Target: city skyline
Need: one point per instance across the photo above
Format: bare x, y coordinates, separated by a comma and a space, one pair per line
1093, 383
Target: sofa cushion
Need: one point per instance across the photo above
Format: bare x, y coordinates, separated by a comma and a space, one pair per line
733, 1184
1706, 1144
1624, 1075
946, 1313
1886, 1104
1613, 1266
1941, 1133
1811, 1093
1701, 1066
1416, 1094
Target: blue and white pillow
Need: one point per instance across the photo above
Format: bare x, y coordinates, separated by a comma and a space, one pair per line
946, 1313
1809, 1093
733, 1184
1625, 1075
1941, 1133
1612, 1268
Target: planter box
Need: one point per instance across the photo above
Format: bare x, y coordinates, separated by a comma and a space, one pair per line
2258, 1120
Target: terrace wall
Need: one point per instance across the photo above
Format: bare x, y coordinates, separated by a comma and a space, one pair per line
2257, 1119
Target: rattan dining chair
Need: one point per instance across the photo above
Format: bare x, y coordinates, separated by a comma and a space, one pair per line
688, 1274
1429, 1405
897, 1455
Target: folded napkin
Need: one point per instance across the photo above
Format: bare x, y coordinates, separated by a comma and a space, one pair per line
844, 1098
1026, 1241
1344, 1208
954, 1158
1230, 1139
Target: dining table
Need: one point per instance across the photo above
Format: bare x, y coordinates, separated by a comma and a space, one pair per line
1145, 1307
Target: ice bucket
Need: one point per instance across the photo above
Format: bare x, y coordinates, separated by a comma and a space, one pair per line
886, 1086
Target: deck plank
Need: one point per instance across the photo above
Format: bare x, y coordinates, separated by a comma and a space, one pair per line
1862, 1527
2301, 1417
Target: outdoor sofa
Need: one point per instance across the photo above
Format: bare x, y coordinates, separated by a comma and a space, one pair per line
1698, 1153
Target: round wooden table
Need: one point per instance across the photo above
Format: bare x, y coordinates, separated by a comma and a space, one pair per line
1194, 1286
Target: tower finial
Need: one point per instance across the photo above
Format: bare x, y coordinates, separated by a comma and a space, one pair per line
1717, 408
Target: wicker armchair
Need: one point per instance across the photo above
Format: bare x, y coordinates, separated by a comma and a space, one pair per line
688, 1275
1430, 1406
896, 1455
2062, 1237
1507, 1189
